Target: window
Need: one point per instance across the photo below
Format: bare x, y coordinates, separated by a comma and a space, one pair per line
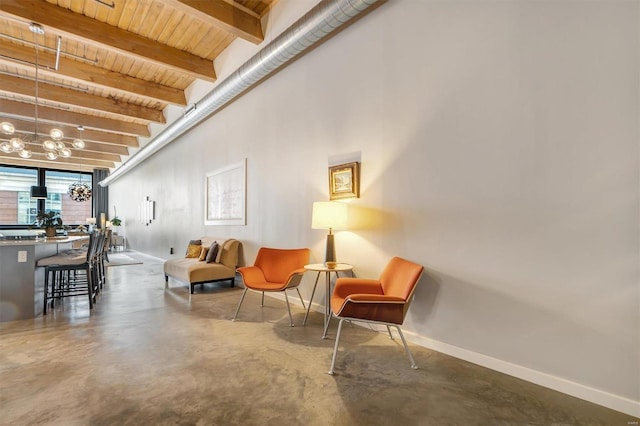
57, 183
18, 209
16, 205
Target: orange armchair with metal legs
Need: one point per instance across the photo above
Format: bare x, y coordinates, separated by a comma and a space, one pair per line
384, 301
275, 270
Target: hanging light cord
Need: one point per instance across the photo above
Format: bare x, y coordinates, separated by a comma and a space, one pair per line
35, 38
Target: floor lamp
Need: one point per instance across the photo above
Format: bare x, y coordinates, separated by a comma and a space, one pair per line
329, 215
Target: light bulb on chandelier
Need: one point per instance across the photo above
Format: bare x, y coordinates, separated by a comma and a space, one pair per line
6, 147
78, 143
17, 144
56, 134
7, 128
49, 145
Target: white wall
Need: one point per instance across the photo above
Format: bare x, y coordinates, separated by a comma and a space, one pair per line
499, 148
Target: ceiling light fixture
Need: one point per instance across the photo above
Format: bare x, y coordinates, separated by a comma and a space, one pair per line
53, 147
78, 143
80, 191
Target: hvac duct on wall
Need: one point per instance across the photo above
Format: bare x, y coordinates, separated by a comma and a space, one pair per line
314, 27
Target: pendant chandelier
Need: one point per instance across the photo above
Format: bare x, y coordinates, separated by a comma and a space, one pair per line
53, 147
80, 191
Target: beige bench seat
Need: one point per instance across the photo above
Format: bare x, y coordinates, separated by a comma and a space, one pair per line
193, 271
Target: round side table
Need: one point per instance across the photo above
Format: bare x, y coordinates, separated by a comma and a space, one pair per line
321, 267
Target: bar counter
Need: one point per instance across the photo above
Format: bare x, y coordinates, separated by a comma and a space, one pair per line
21, 282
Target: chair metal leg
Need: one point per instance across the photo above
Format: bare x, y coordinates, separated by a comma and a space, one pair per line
300, 296
288, 309
262, 302
389, 331
90, 286
46, 290
335, 348
326, 326
239, 304
406, 348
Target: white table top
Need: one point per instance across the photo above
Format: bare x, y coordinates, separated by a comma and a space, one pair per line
321, 267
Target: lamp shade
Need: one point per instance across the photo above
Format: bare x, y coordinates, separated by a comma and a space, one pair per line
329, 215
39, 192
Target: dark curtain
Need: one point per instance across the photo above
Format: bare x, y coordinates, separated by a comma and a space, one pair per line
100, 196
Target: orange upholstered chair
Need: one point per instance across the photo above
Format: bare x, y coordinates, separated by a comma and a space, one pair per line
384, 301
275, 270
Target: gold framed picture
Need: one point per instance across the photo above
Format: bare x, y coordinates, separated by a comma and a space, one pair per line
344, 181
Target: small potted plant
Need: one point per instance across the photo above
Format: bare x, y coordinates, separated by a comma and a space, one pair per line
49, 220
115, 222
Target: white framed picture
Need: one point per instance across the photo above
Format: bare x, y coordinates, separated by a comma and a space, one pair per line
225, 195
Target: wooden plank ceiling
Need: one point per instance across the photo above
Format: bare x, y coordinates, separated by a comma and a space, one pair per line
120, 63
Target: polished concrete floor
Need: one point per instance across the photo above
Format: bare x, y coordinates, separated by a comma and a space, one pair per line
147, 355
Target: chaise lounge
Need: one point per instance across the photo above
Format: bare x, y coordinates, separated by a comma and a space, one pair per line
194, 271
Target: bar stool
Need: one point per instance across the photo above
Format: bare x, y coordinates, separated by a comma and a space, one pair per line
64, 271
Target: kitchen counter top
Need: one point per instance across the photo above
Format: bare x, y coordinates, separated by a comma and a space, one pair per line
40, 241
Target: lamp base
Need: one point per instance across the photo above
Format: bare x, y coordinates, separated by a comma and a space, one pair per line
330, 254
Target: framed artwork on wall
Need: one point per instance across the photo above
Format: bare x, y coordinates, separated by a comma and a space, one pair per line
344, 181
225, 193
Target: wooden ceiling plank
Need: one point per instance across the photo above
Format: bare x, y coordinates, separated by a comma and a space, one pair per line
195, 39
102, 11
92, 75
74, 97
139, 15
150, 20
115, 12
128, 11
22, 109
95, 32
237, 21
167, 30
161, 23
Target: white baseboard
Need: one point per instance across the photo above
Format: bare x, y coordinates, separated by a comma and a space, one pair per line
606, 399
